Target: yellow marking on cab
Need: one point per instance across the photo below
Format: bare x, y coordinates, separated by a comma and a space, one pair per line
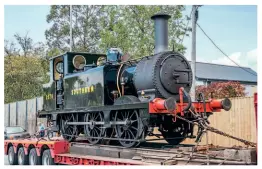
83, 90
49, 96
92, 89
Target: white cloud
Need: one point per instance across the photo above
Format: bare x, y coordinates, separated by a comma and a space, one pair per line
225, 61
248, 59
198, 59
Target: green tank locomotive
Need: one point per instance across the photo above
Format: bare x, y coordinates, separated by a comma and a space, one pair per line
110, 97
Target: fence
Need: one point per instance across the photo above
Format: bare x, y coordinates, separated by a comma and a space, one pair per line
23, 113
239, 121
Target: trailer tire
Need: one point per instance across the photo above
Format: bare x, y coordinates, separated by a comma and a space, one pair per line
33, 158
12, 156
47, 158
22, 158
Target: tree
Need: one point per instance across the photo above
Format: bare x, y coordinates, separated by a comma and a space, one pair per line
114, 32
85, 27
25, 69
97, 28
141, 28
10, 49
222, 89
25, 42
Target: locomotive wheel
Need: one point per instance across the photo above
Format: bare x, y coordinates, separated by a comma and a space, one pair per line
176, 134
69, 132
131, 130
94, 130
134, 128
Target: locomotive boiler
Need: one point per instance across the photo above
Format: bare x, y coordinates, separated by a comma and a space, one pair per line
110, 97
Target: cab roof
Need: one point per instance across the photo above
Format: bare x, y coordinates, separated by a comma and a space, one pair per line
74, 53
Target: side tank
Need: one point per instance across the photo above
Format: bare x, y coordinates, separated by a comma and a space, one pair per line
84, 89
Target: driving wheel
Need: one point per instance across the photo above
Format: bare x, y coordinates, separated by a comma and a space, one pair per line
69, 132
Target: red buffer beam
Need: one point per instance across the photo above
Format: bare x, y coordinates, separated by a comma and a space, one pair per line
169, 105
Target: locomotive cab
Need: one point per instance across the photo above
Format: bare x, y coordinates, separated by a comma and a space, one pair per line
61, 67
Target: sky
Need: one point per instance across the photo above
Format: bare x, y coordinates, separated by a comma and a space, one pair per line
232, 27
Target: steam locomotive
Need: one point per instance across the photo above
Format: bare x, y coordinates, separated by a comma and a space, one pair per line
110, 97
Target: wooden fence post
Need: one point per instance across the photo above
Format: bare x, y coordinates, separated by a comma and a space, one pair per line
9, 114
16, 113
26, 114
36, 114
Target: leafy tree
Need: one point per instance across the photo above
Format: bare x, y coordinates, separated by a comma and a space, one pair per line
97, 28
114, 32
222, 89
85, 27
140, 28
25, 69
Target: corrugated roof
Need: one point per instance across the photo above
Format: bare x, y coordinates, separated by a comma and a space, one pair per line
212, 71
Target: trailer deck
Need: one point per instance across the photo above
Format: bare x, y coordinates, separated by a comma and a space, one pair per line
59, 152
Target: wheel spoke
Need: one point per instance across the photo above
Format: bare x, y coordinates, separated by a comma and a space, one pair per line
128, 135
96, 116
70, 131
96, 132
133, 121
70, 118
132, 127
125, 133
132, 134
122, 115
132, 115
98, 128
121, 134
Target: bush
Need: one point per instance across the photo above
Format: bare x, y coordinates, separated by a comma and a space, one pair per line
221, 90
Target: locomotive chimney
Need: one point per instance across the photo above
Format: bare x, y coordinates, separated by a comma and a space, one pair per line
161, 32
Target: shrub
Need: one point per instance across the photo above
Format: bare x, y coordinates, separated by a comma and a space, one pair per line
221, 90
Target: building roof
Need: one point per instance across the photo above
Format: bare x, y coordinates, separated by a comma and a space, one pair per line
210, 71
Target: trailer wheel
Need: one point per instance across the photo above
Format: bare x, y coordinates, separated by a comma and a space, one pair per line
47, 158
22, 158
33, 158
12, 156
